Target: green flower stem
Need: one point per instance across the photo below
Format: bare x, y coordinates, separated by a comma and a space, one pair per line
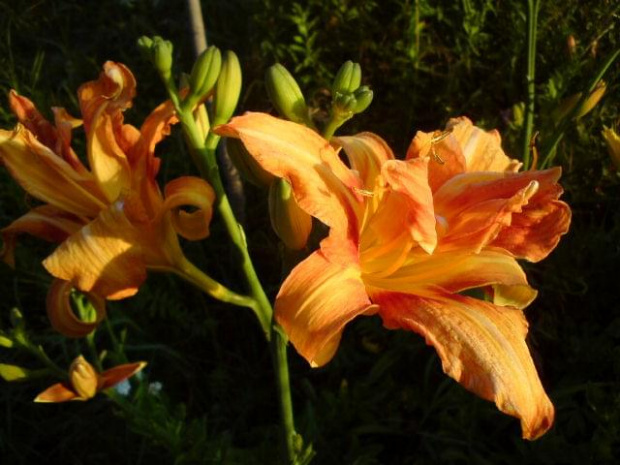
203, 153
332, 126
532, 20
549, 149
39, 353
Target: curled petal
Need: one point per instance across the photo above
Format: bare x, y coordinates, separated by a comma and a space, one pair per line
316, 301
46, 222
366, 153
60, 392
46, 176
28, 115
61, 314
119, 373
322, 184
193, 192
104, 257
481, 346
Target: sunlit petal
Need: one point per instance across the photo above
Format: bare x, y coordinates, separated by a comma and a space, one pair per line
366, 153
46, 176
316, 301
481, 346
322, 184
104, 257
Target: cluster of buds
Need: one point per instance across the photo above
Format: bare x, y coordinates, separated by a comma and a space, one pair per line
349, 97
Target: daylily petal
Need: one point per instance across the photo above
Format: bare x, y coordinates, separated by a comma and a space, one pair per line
61, 315
322, 184
65, 123
102, 103
119, 373
60, 392
103, 257
482, 149
455, 271
366, 153
316, 301
481, 346
45, 222
28, 115
515, 211
193, 192
46, 176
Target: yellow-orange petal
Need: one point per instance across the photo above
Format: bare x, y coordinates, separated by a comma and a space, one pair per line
119, 373
482, 149
189, 191
28, 115
455, 271
83, 378
318, 299
45, 222
46, 176
102, 103
65, 123
366, 152
480, 345
61, 315
104, 257
322, 184
60, 392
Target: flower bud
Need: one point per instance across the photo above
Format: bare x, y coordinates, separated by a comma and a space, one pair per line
13, 372
145, 44
227, 90
205, 72
567, 104
289, 221
613, 145
6, 341
83, 378
347, 79
285, 94
363, 97
162, 56
247, 165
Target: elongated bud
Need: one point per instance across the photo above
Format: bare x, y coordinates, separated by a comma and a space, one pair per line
6, 341
291, 223
228, 89
84, 378
613, 145
348, 78
246, 164
162, 56
567, 104
285, 94
363, 97
13, 372
205, 72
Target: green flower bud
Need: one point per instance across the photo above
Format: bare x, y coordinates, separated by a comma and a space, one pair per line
285, 94
6, 341
145, 44
289, 221
13, 372
227, 90
247, 165
205, 72
347, 79
17, 319
161, 53
612, 139
363, 97
344, 105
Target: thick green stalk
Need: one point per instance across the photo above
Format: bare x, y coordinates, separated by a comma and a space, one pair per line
203, 153
532, 20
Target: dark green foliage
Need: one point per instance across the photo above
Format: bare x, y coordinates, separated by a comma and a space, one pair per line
208, 395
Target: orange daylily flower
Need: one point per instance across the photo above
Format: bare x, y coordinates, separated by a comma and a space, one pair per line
84, 381
408, 237
112, 220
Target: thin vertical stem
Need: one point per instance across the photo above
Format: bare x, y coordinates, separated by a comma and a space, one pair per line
199, 36
532, 21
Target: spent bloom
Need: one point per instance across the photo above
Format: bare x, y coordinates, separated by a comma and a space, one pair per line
84, 382
111, 219
407, 237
